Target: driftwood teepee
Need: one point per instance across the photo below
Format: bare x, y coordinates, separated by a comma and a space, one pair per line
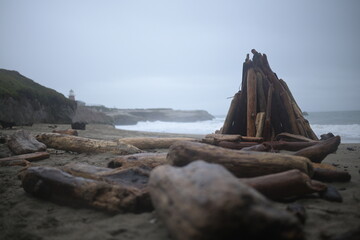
264, 107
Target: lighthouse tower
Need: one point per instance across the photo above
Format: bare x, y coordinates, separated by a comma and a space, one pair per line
72, 95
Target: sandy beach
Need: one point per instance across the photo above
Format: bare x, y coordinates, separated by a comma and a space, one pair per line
23, 216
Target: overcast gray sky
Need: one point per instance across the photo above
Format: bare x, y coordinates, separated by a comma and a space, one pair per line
183, 54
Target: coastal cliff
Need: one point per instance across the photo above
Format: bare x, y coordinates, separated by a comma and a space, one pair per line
133, 116
24, 102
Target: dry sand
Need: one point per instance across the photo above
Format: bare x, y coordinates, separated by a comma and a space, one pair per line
25, 217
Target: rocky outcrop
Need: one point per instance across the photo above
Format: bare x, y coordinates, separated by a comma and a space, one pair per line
23, 101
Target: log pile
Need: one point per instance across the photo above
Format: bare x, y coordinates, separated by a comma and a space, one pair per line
264, 107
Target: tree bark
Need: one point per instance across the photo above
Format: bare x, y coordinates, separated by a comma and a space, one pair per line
280, 186
204, 201
141, 160
85, 145
152, 142
240, 163
251, 102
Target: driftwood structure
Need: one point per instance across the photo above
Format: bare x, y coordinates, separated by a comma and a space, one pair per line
204, 201
264, 107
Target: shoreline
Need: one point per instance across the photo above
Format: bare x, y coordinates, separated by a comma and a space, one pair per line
23, 216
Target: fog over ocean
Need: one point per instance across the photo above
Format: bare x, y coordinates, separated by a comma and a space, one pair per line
343, 123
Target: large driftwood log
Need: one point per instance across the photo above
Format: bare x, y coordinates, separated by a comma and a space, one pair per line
260, 120
204, 201
85, 145
61, 187
276, 145
319, 151
329, 175
251, 102
67, 131
23, 159
230, 117
130, 177
284, 185
240, 163
22, 142
292, 138
152, 142
141, 160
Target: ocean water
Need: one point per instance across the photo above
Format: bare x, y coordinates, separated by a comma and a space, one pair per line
345, 124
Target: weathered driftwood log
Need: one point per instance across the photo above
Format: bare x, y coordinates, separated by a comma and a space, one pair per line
240, 163
152, 142
8, 162
61, 187
131, 177
267, 127
251, 102
275, 145
284, 185
141, 160
236, 145
260, 120
23, 159
292, 138
85, 145
329, 175
230, 117
223, 137
320, 150
22, 142
204, 201
261, 100
67, 131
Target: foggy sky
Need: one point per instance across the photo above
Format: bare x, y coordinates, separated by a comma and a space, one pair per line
183, 54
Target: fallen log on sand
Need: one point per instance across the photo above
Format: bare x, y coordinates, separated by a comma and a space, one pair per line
22, 142
141, 160
241, 164
85, 145
132, 177
152, 142
67, 132
284, 185
204, 201
56, 185
319, 151
23, 159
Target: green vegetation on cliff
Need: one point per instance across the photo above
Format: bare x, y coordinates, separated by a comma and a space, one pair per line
24, 101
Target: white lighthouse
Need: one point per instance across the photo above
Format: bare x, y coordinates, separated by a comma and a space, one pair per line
72, 95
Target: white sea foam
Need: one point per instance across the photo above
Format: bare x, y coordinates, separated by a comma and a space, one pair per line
349, 133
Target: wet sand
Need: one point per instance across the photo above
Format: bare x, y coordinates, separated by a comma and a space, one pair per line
23, 216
